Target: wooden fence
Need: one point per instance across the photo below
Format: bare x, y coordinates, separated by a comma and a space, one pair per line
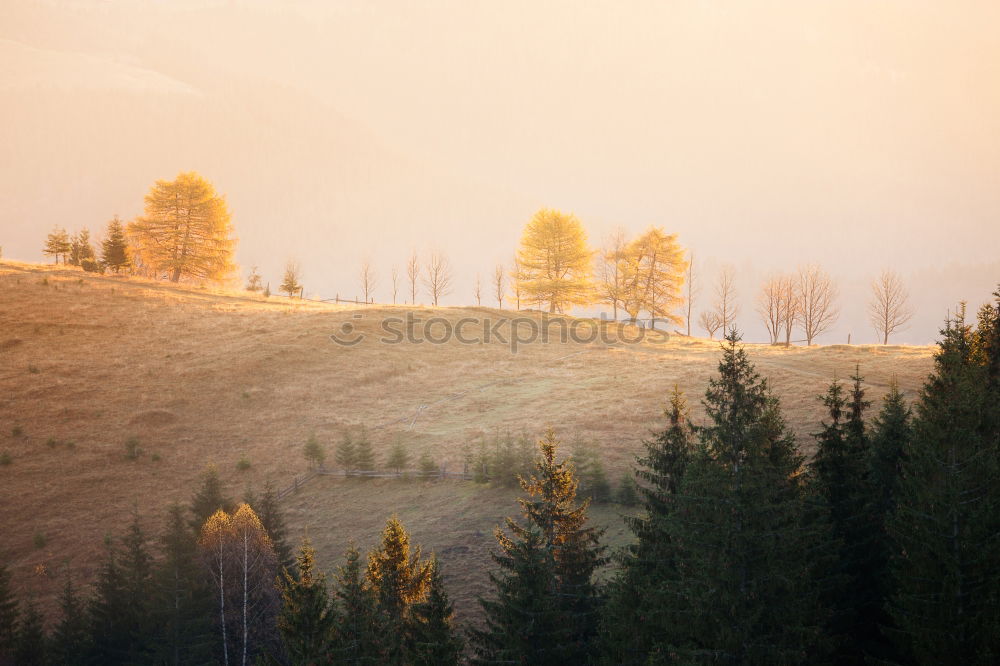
299, 481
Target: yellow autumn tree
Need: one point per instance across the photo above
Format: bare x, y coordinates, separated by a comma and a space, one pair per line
555, 266
652, 271
186, 230
399, 578
240, 558
215, 543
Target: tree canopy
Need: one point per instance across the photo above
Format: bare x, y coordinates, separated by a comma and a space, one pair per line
554, 262
186, 229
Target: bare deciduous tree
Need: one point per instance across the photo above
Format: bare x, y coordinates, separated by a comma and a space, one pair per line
610, 270
769, 307
726, 307
788, 306
478, 291
256, 568
889, 309
413, 273
437, 277
710, 321
692, 291
499, 284
395, 284
515, 281
368, 279
290, 283
816, 296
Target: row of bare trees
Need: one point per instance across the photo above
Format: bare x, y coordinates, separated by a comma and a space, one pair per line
435, 275
647, 274
807, 298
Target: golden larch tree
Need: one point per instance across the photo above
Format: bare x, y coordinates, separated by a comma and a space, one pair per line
555, 266
186, 230
652, 275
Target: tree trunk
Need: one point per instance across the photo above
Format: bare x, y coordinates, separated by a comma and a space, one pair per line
222, 613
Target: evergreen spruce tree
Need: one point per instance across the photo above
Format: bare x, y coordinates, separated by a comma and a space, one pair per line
69, 643
32, 643
637, 617
590, 472
742, 548
314, 452
268, 509
57, 244
121, 629
346, 453
399, 578
364, 456
398, 458
522, 618
946, 526
891, 432
9, 613
428, 468
79, 245
986, 340
109, 640
847, 500
208, 499
628, 490
358, 637
547, 603
307, 619
114, 248
182, 599
433, 640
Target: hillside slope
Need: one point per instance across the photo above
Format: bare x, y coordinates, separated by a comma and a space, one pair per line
204, 377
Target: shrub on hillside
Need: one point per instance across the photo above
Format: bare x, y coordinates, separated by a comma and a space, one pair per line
91, 266
428, 468
132, 450
628, 490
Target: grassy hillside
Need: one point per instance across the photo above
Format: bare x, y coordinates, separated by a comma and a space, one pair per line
204, 377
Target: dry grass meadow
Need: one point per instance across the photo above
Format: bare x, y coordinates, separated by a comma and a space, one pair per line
204, 376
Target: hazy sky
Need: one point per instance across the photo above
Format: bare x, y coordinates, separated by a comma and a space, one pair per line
860, 135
